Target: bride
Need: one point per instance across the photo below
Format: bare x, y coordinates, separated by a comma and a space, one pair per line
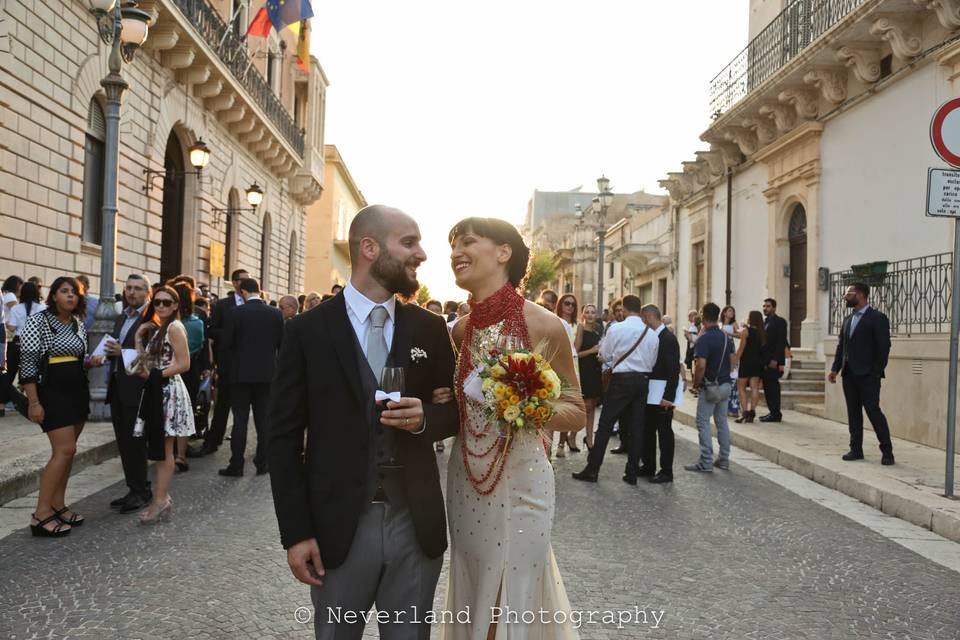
501, 502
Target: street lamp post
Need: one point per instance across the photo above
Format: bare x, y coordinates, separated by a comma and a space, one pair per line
124, 28
603, 200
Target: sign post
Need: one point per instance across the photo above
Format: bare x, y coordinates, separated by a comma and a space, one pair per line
943, 200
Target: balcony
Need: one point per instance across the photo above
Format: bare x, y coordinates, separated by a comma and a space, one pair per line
638, 257
792, 31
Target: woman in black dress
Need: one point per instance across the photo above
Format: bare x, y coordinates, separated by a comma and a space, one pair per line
590, 384
750, 358
53, 373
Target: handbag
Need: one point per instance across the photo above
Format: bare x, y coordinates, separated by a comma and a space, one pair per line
712, 388
607, 376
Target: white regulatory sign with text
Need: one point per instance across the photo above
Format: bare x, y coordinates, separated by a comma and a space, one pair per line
943, 193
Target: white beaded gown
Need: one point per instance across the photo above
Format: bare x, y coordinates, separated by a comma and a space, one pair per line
501, 559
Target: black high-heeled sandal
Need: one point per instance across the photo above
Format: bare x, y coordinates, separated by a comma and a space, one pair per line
74, 520
750, 416
40, 531
182, 465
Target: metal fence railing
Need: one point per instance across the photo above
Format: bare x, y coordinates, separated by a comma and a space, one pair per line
223, 38
798, 25
914, 293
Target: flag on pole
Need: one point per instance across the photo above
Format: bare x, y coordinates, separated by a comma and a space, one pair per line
284, 13
303, 44
260, 25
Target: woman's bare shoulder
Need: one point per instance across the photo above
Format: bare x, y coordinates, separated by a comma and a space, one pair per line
542, 324
459, 328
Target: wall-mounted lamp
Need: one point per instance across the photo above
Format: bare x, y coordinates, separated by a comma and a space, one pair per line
254, 196
199, 154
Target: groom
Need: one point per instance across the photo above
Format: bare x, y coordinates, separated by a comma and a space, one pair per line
359, 504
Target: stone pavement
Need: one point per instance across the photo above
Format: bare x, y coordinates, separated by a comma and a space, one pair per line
911, 489
722, 555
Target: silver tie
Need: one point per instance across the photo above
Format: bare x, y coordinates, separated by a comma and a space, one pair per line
376, 343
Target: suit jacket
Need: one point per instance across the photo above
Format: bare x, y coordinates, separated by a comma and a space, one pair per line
127, 388
252, 336
218, 322
321, 492
865, 352
776, 347
667, 366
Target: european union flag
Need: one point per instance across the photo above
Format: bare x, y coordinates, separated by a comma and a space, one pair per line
286, 12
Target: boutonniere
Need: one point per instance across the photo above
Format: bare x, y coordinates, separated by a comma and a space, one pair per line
417, 354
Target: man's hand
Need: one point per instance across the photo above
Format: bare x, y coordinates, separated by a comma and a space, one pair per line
406, 414
832, 377
112, 349
305, 563
666, 404
773, 364
442, 396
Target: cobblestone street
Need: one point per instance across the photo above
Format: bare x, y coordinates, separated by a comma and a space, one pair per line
722, 555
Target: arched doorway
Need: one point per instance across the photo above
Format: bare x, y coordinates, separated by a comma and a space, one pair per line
171, 248
797, 235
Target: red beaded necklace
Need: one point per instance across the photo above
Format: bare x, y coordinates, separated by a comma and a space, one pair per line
505, 305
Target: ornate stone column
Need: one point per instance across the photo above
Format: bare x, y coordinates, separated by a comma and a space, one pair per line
811, 331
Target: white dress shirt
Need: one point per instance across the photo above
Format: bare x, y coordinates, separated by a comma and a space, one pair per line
621, 337
359, 307
238, 298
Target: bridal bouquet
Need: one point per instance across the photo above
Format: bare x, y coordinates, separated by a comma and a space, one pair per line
520, 389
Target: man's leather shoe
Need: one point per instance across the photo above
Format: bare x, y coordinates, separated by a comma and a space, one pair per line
887, 459
199, 452
853, 455
620, 449
630, 479
586, 475
661, 478
646, 473
771, 418
136, 501
116, 504
232, 472
263, 469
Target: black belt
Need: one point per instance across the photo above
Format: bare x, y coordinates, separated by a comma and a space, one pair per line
633, 374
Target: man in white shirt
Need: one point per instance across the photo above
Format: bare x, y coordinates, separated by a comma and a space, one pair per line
630, 349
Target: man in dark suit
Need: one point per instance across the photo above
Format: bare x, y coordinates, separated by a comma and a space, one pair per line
361, 510
659, 416
252, 335
775, 357
123, 396
862, 353
222, 357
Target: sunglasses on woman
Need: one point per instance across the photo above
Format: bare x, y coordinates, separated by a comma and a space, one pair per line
163, 302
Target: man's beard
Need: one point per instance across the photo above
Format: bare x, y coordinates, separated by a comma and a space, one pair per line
392, 275
851, 303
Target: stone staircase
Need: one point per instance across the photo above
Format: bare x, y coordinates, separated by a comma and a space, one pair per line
804, 390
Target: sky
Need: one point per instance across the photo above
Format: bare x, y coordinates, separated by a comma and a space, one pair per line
448, 109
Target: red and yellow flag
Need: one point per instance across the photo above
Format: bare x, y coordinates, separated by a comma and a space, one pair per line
302, 31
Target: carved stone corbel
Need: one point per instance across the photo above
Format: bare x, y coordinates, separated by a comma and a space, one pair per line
864, 60
902, 35
272, 152
221, 102
179, 57
685, 181
831, 81
806, 106
948, 11
209, 89
693, 168
255, 135
673, 188
728, 151
162, 37
762, 127
233, 114
744, 138
783, 116
715, 161
262, 145
245, 126
197, 74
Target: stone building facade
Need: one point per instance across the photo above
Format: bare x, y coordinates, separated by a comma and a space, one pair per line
195, 77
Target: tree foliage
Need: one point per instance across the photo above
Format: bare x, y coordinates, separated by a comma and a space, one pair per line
423, 295
543, 270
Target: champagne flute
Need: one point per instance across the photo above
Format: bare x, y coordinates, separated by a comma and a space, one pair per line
507, 343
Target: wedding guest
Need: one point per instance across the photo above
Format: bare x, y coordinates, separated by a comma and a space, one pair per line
567, 311
313, 299
301, 299
15, 318
690, 333
37, 281
253, 332
548, 300
450, 310
862, 353
164, 354
588, 357
92, 301
728, 323
288, 307
615, 314
8, 298
123, 395
199, 350
753, 341
668, 323
630, 348
223, 359
463, 309
775, 358
335, 289
659, 416
54, 378
713, 357
434, 306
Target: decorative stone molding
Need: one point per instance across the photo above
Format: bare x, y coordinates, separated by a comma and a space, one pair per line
673, 188
715, 161
179, 57
831, 81
806, 104
728, 151
902, 35
784, 118
864, 60
209, 89
744, 138
685, 180
693, 169
762, 127
948, 11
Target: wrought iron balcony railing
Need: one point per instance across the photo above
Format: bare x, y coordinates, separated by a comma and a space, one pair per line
232, 51
793, 30
915, 293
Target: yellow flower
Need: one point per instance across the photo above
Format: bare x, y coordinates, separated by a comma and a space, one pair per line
502, 406
497, 371
511, 413
514, 399
542, 394
543, 413
499, 390
553, 383
520, 357
529, 410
